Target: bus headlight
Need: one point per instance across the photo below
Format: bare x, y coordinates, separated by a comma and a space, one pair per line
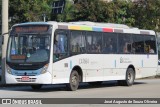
44, 69
8, 69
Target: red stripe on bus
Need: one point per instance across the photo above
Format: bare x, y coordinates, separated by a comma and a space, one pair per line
107, 30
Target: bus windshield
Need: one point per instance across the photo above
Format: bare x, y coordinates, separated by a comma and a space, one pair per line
28, 48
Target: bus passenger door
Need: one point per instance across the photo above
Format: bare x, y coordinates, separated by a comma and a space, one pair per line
60, 53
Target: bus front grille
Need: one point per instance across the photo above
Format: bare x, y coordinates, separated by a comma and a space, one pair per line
30, 80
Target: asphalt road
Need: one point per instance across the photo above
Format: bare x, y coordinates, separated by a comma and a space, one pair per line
144, 88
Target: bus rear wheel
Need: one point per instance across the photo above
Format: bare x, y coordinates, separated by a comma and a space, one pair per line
130, 76
36, 87
74, 81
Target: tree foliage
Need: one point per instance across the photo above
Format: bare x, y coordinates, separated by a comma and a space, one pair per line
28, 10
67, 13
122, 12
147, 14
143, 14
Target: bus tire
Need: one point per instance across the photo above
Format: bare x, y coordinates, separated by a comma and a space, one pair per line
36, 87
73, 81
130, 76
95, 83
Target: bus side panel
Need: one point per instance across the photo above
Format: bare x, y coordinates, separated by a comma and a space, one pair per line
145, 65
91, 68
150, 64
61, 72
111, 69
103, 67
94, 67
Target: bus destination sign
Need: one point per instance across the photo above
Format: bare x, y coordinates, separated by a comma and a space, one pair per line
31, 29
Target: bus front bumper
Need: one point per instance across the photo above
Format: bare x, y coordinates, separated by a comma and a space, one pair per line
39, 79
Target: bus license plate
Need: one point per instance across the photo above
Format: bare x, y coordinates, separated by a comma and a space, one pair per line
25, 79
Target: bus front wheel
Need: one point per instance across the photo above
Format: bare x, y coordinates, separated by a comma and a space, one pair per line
130, 76
73, 82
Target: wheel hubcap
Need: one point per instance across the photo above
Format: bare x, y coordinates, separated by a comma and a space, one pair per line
130, 77
74, 80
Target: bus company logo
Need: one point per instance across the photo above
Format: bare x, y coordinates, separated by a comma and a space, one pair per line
6, 101
125, 60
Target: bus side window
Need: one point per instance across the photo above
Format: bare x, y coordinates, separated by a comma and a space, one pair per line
150, 44
125, 42
94, 42
75, 47
77, 42
127, 48
138, 44
110, 43
60, 46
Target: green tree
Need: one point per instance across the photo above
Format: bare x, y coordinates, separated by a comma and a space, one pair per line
91, 10
29, 10
68, 12
102, 11
143, 14
122, 12
147, 14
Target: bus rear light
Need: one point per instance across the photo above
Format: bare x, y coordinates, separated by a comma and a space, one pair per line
44, 69
8, 69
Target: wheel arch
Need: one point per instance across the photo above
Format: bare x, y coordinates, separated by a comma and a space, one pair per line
131, 66
80, 73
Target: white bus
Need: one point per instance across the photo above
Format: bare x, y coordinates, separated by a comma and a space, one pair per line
69, 53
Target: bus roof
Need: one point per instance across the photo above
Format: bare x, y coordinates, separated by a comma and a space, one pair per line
103, 27
93, 26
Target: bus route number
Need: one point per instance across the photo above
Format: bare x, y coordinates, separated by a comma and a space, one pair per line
84, 61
